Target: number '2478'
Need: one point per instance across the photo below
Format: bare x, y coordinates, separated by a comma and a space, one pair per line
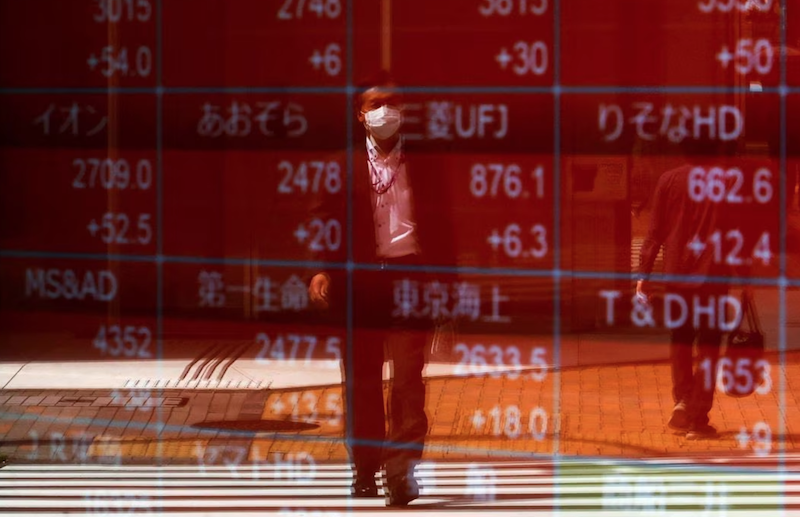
296, 9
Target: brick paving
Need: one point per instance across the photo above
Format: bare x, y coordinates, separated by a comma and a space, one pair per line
614, 411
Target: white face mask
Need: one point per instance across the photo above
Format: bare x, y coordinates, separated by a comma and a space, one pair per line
383, 122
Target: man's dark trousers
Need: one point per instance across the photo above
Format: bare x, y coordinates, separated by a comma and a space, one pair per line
404, 344
694, 379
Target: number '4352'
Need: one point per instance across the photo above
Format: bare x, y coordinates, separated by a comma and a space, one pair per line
124, 341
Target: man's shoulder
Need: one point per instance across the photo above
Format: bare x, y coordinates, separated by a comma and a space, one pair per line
679, 172
675, 178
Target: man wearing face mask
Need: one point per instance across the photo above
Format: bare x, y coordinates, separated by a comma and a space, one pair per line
386, 232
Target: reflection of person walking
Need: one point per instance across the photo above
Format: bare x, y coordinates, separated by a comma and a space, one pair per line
676, 222
385, 188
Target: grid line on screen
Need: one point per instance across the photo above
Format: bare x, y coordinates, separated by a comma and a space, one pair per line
350, 90
356, 266
784, 90
349, 266
159, 214
557, 89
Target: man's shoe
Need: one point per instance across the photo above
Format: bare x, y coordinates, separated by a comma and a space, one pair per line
364, 486
701, 432
679, 421
401, 490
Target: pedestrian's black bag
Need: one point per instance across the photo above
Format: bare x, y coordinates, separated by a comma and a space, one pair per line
747, 371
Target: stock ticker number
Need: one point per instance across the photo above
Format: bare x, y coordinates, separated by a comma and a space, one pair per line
508, 422
298, 9
115, 11
124, 341
731, 247
511, 242
760, 438
498, 180
115, 61
305, 407
726, 6
748, 56
117, 229
526, 57
293, 348
511, 7
329, 60
320, 235
310, 177
741, 377
499, 361
112, 174
719, 185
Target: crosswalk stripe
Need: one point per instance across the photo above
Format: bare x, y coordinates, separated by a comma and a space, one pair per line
695, 501
517, 476
587, 481
423, 466
605, 487
244, 473
339, 477
517, 489
563, 464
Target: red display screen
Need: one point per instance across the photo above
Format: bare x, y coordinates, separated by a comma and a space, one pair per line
578, 182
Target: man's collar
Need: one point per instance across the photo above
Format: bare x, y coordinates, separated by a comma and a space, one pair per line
374, 153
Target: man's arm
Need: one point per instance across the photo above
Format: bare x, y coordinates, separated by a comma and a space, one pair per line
656, 234
325, 206
319, 281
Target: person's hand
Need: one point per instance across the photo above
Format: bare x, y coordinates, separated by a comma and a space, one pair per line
640, 294
318, 290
